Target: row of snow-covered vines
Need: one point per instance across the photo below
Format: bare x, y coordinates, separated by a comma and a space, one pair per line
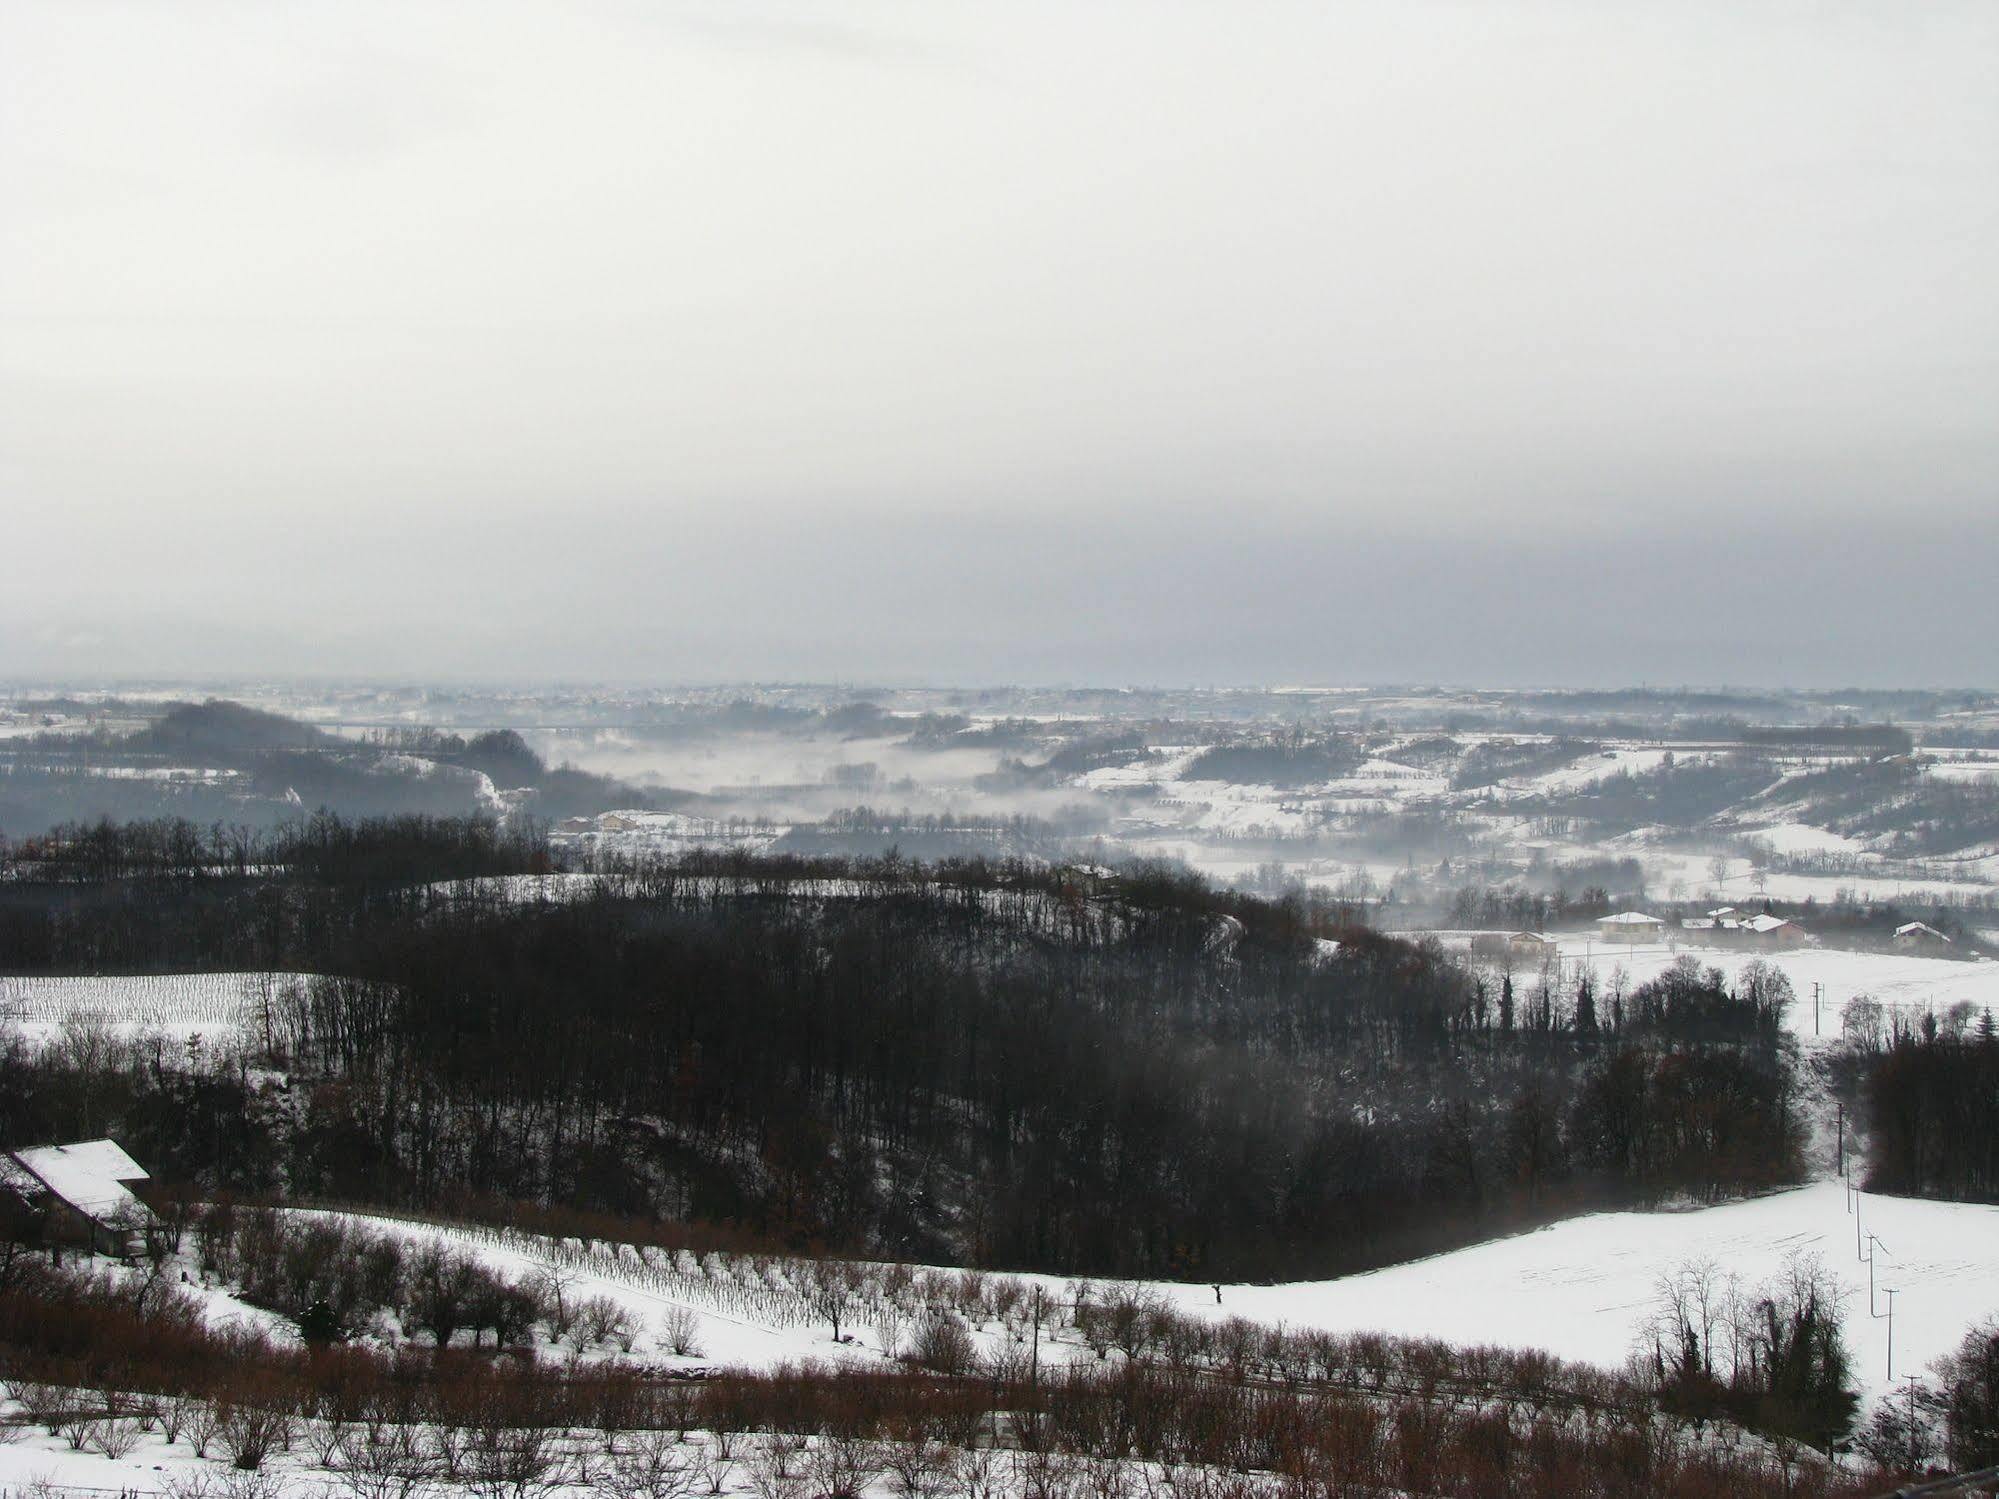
921, 1315
137, 1001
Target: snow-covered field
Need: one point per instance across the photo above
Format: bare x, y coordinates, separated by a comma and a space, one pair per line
746, 1321
1690, 875
1803, 838
177, 1005
1582, 1289
1911, 985
1584, 773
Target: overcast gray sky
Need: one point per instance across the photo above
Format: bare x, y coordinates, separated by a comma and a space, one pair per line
1090, 341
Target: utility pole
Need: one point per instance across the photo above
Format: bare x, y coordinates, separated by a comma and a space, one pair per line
1872, 1245
1890, 1291
1840, 1104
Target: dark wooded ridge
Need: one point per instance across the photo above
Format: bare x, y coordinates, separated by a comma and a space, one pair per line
1003, 1064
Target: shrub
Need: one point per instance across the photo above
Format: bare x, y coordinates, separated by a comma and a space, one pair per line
945, 1345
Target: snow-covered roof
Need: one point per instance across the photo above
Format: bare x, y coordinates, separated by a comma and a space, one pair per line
1630, 918
1766, 923
90, 1175
1919, 928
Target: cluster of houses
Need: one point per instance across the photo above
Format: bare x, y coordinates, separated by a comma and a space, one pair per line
1726, 925
75, 1196
1723, 927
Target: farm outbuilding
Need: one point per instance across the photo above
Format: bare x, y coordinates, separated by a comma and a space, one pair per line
1917, 936
1531, 946
79, 1194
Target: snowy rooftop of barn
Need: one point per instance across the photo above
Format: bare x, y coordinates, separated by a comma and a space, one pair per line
90, 1175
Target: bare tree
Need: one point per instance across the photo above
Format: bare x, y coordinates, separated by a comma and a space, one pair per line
715, 1467
829, 1286
113, 1436
249, 1432
945, 1345
602, 1320
842, 1465
651, 1466
509, 1461
680, 1331
891, 1322
978, 1473
389, 1464
774, 1469
917, 1469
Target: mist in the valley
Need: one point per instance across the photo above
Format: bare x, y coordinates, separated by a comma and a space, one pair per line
712, 762
787, 777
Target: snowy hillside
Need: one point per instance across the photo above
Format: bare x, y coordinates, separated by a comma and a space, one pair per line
1583, 1289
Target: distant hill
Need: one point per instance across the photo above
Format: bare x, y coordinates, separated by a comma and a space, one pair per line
223, 729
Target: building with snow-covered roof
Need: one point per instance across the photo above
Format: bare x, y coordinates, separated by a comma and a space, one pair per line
1917, 936
1775, 931
81, 1194
1631, 926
